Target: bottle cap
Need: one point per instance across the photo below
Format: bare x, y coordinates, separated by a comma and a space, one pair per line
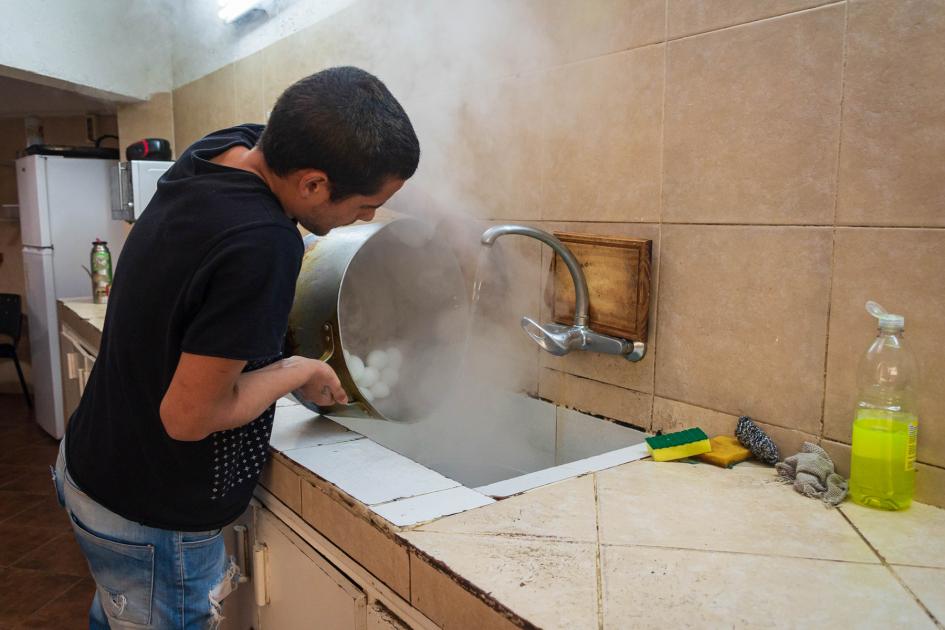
885, 319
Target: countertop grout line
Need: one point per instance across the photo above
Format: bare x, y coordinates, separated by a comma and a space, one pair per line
890, 569
598, 560
744, 553
554, 539
505, 535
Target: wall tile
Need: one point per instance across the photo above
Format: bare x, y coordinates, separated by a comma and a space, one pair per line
902, 270
891, 167
358, 538
204, 105
595, 397
498, 351
930, 485
603, 367
743, 320
753, 121
153, 118
494, 149
249, 74
579, 30
686, 17
601, 152
672, 415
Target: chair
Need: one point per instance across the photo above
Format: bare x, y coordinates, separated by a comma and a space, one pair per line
11, 325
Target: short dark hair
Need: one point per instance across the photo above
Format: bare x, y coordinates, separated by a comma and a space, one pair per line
343, 121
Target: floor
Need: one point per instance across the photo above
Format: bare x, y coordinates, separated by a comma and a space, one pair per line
44, 581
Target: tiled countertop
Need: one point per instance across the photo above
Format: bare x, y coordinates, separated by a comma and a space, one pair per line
642, 544
84, 317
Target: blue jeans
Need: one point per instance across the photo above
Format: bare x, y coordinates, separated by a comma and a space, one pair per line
146, 577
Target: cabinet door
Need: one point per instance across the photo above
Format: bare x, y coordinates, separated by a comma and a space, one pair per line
239, 608
71, 361
305, 591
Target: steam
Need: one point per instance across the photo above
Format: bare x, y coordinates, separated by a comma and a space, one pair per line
458, 68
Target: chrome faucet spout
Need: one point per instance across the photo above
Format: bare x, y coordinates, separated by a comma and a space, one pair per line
558, 339
581, 298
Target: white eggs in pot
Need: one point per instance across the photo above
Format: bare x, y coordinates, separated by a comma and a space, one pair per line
377, 375
377, 359
380, 390
355, 367
368, 377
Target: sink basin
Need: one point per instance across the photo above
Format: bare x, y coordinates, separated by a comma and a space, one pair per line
510, 443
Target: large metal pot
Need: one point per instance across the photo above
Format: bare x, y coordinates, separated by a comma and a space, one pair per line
373, 287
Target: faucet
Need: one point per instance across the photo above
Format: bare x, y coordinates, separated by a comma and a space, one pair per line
559, 339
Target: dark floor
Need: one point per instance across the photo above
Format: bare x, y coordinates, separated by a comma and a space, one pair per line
44, 581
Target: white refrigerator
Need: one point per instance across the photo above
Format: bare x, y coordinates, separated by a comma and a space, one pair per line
65, 204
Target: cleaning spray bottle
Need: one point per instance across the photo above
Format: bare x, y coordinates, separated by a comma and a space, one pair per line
886, 424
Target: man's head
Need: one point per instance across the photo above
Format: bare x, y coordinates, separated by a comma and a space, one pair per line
339, 145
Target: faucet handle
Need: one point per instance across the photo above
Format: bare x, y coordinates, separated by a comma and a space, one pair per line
550, 340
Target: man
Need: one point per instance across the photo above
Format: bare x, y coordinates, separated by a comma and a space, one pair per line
170, 437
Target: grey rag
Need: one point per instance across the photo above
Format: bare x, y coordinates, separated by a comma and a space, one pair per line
813, 475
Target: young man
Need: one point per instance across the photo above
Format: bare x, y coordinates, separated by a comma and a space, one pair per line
170, 437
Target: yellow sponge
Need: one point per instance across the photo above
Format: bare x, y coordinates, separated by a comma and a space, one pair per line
678, 445
726, 451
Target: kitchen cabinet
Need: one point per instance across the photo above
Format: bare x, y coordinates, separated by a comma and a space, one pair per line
239, 607
76, 356
301, 588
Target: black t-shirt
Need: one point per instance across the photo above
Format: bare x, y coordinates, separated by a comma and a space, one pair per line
210, 269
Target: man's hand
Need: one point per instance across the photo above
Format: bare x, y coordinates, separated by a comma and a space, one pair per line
324, 389
209, 394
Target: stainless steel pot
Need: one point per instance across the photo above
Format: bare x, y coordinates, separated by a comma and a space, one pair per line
373, 287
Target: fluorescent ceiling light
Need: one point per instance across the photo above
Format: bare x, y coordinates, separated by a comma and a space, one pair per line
232, 10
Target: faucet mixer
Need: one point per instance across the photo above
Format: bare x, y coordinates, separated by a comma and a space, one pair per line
559, 339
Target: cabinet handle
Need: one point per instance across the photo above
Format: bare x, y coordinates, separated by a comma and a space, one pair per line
242, 548
72, 364
261, 571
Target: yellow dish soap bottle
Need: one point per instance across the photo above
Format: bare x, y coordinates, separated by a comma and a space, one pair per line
886, 424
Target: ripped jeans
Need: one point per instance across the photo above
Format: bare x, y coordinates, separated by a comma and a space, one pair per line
146, 577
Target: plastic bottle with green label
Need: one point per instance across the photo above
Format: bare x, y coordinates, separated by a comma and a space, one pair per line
886, 424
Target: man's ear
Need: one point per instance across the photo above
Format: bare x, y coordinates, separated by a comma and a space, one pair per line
313, 185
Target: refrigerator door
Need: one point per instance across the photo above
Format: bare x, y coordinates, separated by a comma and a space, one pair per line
79, 200
34, 203
44, 339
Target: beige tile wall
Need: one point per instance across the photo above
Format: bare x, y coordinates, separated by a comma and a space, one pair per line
784, 156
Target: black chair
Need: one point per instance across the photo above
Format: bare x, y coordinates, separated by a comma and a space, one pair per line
11, 325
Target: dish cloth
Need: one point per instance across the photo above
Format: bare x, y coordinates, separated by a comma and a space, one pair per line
813, 475
757, 441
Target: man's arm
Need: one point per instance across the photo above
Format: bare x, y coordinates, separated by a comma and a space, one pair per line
209, 394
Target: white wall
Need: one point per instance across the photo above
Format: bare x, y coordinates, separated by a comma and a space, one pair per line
204, 43
117, 48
